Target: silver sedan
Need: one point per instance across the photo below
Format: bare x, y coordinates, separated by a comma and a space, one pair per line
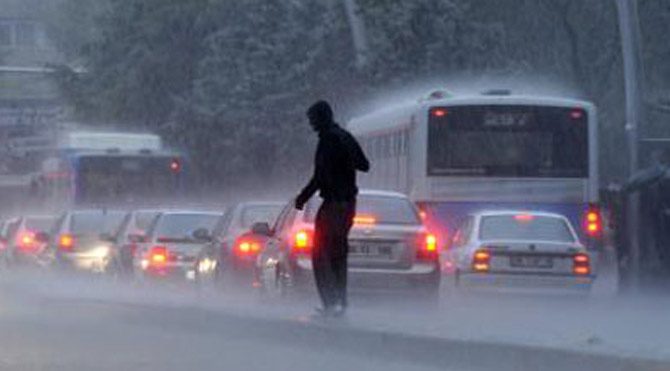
519, 249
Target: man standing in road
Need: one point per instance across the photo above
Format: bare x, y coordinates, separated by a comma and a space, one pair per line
338, 157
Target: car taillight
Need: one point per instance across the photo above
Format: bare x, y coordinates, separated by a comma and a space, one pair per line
593, 223
481, 261
303, 241
581, 264
427, 249
158, 256
365, 220
26, 240
65, 242
247, 247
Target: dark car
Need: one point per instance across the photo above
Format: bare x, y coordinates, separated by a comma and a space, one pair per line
82, 239
131, 233
389, 248
177, 247
238, 248
27, 239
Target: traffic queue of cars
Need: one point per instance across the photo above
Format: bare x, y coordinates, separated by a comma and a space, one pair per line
266, 246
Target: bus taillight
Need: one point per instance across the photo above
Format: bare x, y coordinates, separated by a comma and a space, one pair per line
175, 165
593, 222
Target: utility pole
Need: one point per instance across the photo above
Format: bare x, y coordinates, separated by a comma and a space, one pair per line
628, 29
358, 33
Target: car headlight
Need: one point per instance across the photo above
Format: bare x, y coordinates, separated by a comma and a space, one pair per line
100, 252
206, 265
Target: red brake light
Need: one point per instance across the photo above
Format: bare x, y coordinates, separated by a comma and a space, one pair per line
158, 255
303, 241
576, 114
247, 246
365, 219
27, 239
65, 242
439, 112
175, 165
481, 261
427, 247
581, 264
431, 242
593, 222
524, 218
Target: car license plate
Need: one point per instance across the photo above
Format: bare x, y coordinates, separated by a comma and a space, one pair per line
530, 261
371, 250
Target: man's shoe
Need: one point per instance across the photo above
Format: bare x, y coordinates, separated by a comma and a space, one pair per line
338, 310
324, 311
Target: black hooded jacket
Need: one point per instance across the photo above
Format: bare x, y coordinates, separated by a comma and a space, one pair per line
338, 157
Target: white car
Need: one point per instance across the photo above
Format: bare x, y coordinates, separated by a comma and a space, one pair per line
519, 249
389, 248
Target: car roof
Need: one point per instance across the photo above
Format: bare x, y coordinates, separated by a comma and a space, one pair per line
191, 212
380, 192
261, 203
101, 211
517, 212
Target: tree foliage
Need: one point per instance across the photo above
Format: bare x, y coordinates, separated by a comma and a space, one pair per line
228, 81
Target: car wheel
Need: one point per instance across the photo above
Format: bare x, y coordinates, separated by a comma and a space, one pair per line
272, 282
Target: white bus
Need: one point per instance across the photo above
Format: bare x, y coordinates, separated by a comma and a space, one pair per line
458, 154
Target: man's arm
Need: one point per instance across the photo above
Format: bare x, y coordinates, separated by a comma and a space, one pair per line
307, 192
358, 158
320, 177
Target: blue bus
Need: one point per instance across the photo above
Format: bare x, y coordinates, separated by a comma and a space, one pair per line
109, 169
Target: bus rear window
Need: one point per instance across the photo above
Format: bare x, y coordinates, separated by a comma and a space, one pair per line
508, 141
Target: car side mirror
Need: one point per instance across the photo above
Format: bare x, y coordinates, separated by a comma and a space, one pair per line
202, 234
42, 237
136, 238
261, 229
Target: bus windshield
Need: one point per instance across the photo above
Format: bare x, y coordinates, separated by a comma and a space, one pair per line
508, 141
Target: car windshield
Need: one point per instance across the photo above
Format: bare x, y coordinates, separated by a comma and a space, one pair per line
143, 219
182, 226
96, 222
259, 214
525, 227
42, 223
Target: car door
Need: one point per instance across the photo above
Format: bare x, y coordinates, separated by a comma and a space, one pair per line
276, 243
462, 237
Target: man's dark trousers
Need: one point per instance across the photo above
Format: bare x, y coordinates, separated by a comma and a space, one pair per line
329, 257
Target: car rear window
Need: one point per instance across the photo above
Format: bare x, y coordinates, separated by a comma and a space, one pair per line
378, 209
525, 227
96, 221
259, 214
42, 223
143, 219
181, 226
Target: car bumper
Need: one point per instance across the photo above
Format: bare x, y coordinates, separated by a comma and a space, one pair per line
84, 262
420, 276
187, 271
527, 282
